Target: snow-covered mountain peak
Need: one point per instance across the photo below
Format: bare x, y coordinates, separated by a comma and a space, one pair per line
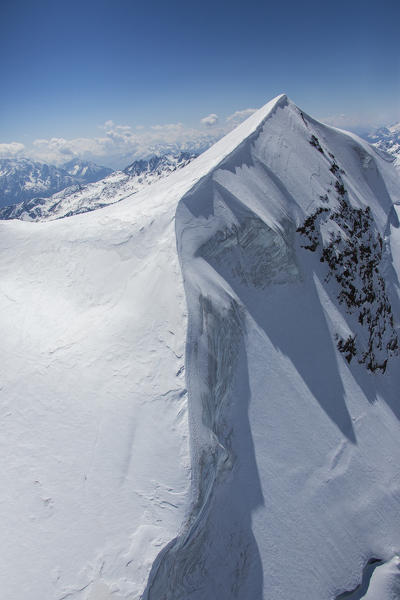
86, 171
75, 197
211, 367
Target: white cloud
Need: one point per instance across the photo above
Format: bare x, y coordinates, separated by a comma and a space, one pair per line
117, 145
59, 150
169, 127
240, 115
210, 120
341, 120
11, 149
360, 122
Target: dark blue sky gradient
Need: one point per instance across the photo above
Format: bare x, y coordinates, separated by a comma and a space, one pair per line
67, 67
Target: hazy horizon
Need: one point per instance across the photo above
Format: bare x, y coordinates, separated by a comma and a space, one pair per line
110, 80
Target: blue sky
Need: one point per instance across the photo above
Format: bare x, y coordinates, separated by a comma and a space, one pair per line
69, 67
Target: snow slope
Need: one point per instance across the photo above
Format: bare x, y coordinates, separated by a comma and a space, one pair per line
115, 187
184, 416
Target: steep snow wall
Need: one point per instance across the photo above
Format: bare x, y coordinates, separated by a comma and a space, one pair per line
294, 439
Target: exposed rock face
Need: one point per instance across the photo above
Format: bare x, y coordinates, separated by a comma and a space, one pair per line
347, 241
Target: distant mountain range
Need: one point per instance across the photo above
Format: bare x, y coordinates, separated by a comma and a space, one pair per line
22, 179
79, 198
388, 140
154, 166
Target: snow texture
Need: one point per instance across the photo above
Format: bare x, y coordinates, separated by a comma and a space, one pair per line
181, 417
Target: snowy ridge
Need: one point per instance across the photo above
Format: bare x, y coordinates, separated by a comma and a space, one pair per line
195, 326
232, 242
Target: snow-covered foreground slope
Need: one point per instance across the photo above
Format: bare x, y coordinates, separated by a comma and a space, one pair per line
115, 187
94, 444
200, 386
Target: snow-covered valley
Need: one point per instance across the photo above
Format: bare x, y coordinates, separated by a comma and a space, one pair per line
200, 387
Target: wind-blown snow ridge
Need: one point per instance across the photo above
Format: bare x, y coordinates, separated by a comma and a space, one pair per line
221, 224
194, 326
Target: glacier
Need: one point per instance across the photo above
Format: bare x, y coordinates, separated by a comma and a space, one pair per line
200, 382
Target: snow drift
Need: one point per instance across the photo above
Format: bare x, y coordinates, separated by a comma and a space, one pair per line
200, 386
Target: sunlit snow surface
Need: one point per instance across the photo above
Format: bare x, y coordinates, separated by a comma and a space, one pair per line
177, 421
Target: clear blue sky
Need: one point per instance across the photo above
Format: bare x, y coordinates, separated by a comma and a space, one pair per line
67, 67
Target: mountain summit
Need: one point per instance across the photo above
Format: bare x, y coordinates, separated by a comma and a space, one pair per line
200, 391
